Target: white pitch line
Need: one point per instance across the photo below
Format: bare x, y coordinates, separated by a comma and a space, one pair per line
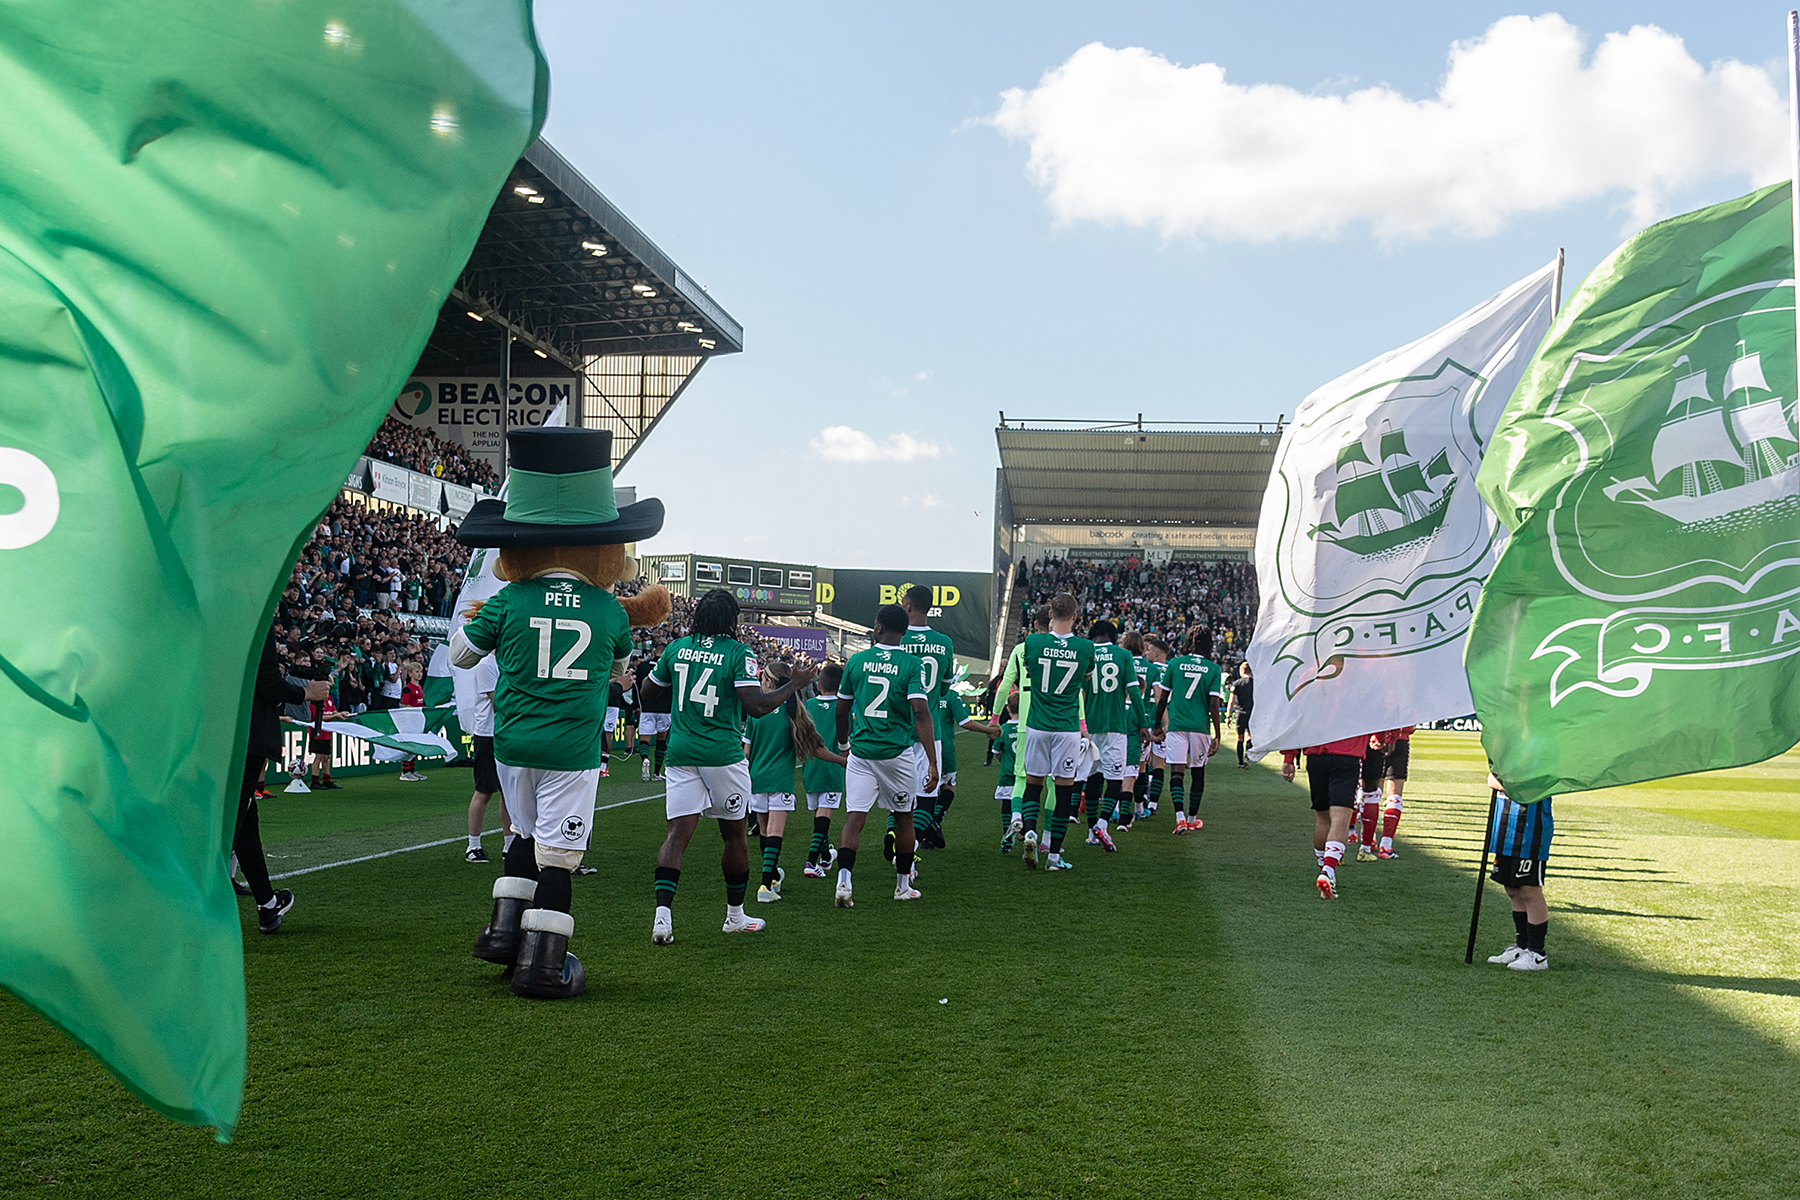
440, 842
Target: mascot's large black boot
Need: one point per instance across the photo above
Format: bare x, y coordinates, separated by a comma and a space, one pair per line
498, 941
545, 969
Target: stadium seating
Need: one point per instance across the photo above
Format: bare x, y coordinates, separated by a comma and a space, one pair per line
1155, 599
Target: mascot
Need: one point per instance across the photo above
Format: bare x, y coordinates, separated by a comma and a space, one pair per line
559, 637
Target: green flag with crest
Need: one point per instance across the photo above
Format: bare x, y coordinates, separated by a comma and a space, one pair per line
1644, 618
226, 229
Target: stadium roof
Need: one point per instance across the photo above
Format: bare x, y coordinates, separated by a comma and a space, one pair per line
583, 291
1132, 473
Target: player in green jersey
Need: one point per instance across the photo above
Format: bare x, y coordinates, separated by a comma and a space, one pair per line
1114, 705
937, 661
1156, 665
1011, 823
1188, 698
884, 722
823, 779
1017, 677
1057, 663
955, 719
776, 740
558, 640
711, 680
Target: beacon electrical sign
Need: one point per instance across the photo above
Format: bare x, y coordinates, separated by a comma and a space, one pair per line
465, 411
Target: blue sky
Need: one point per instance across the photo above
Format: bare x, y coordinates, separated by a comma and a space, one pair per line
832, 174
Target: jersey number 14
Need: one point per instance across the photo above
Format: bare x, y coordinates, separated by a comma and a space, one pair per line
705, 696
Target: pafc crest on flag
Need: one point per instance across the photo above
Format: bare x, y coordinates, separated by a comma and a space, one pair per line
1397, 555
1373, 543
1683, 515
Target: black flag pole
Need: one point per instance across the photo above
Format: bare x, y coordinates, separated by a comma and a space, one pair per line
1481, 875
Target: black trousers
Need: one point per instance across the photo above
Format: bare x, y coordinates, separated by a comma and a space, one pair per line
246, 843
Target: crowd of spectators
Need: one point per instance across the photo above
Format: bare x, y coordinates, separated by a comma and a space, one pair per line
652, 642
419, 449
338, 618
1165, 599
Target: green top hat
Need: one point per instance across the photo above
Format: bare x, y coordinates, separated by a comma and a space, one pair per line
559, 492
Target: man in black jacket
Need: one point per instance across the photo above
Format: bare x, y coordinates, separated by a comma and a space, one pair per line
272, 690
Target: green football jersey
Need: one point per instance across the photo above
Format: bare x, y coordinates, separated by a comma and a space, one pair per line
706, 722
1190, 679
772, 752
1009, 740
1112, 690
937, 661
816, 775
955, 713
1058, 667
881, 683
555, 642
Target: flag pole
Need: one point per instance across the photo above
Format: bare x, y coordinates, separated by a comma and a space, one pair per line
1793, 32
1481, 875
1556, 287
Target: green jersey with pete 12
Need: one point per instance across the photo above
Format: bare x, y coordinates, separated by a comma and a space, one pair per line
816, 775
937, 662
1112, 687
706, 722
881, 684
772, 752
555, 641
1058, 667
1190, 679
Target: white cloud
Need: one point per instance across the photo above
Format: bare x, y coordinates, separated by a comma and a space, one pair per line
841, 443
928, 500
1520, 123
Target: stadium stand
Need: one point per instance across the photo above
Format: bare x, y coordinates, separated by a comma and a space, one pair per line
1155, 599
423, 451
338, 617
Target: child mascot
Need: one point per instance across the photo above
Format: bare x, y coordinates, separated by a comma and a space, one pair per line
559, 636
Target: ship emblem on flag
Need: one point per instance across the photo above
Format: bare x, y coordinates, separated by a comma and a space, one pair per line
1385, 506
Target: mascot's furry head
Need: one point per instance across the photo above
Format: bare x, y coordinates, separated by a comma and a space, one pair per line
559, 515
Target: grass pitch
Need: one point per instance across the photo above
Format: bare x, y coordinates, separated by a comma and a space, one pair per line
1183, 1018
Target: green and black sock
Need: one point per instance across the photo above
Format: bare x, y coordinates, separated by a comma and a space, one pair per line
1033, 805
666, 880
1199, 786
1156, 784
1115, 796
643, 749
821, 834
1096, 788
1059, 819
736, 884
662, 752
1177, 792
771, 852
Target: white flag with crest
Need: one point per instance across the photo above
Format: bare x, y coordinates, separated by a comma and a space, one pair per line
1373, 545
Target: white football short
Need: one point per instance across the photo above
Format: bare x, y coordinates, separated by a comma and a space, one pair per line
1187, 748
1109, 754
1003, 792
553, 808
825, 800
650, 724
1052, 755
948, 780
612, 720
1129, 771
892, 783
722, 792
762, 802
937, 748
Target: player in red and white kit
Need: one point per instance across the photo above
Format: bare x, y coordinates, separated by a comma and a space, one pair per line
1383, 781
1332, 772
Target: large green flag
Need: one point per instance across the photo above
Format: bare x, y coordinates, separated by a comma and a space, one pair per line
1641, 621
226, 229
